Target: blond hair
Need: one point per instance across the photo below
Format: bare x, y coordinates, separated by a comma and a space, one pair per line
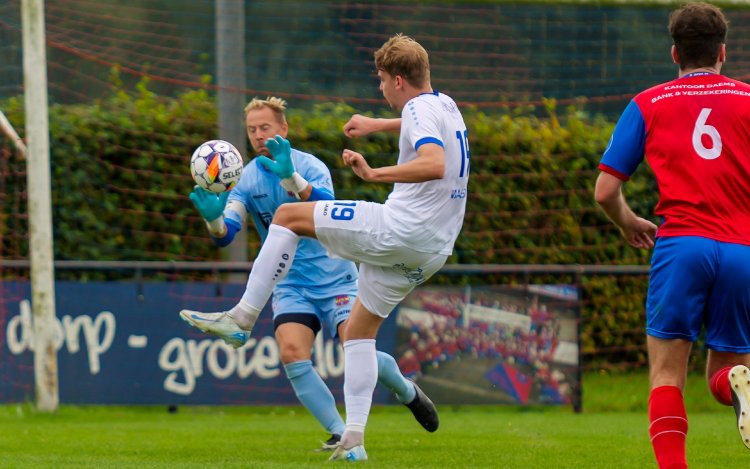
405, 57
277, 105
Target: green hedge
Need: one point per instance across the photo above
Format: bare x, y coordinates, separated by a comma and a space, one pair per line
121, 179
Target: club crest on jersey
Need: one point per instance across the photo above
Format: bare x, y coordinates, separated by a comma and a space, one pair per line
342, 300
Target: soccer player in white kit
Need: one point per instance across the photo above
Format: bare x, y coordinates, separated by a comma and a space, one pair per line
399, 244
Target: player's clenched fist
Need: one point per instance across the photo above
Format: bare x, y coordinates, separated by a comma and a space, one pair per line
358, 164
358, 126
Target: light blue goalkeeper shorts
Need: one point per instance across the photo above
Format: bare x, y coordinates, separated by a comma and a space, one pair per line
314, 307
698, 282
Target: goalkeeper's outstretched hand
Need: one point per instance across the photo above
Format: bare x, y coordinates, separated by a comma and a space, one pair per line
282, 164
209, 205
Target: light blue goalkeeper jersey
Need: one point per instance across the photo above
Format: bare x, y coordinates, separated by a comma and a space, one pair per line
261, 193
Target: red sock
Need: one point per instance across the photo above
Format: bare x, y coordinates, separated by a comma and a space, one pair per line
719, 385
669, 426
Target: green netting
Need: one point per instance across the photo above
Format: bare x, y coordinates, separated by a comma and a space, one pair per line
484, 54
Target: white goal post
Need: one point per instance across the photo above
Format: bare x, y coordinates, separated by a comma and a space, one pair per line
39, 204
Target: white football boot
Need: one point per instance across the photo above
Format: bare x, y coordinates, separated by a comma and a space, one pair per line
739, 382
219, 324
355, 454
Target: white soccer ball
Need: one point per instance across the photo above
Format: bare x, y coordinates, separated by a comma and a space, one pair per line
216, 166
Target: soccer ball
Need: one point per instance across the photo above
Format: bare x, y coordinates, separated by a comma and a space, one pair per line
216, 166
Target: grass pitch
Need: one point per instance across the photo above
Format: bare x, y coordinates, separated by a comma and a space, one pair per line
610, 433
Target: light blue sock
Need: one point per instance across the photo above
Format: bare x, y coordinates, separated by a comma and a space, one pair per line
389, 375
313, 393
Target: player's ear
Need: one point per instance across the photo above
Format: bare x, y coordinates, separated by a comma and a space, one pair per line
675, 58
723, 54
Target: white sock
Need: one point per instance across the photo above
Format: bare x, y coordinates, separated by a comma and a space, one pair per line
360, 378
352, 438
244, 315
272, 264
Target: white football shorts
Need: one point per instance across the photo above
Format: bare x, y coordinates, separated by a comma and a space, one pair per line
388, 271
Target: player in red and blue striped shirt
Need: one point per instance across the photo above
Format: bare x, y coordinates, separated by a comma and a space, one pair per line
694, 132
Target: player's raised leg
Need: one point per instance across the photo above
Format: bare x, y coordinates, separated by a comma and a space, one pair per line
272, 264
274, 259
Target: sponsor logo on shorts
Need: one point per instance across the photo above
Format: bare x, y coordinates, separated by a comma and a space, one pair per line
342, 300
325, 209
342, 313
414, 276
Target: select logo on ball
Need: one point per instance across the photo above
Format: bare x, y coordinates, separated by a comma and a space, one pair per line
216, 166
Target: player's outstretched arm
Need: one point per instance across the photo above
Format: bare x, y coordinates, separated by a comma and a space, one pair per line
428, 165
359, 125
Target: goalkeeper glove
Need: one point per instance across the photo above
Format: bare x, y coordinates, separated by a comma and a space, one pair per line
283, 166
211, 208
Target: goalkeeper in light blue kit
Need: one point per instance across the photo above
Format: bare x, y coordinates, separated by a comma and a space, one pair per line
317, 292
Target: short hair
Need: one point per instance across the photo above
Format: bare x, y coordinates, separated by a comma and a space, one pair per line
698, 31
403, 56
277, 105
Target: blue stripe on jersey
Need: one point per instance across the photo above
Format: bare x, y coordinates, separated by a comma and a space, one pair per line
319, 194
626, 147
424, 140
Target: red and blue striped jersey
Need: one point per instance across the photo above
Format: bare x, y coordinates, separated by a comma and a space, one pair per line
695, 134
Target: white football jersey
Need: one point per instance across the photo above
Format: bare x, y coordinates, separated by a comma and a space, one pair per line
427, 216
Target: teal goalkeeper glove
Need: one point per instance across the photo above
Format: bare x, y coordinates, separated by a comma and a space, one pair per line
209, 205
282, 165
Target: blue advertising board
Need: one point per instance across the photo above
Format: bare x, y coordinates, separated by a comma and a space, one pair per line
124, 343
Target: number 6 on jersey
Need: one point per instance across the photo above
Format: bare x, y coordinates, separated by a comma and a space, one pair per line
701, 129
